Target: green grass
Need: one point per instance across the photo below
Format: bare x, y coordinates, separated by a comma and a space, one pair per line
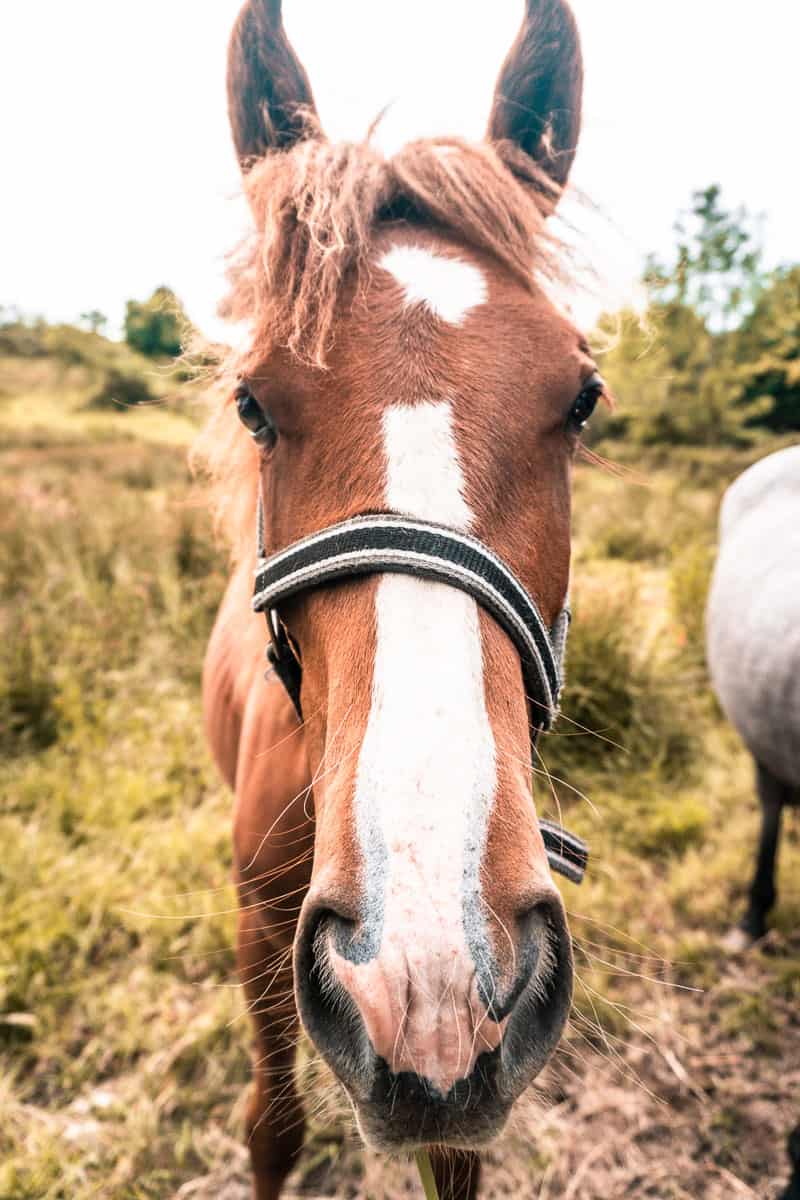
123, 1045
110, 976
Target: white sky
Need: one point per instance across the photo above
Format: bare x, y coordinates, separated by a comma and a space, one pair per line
119, 175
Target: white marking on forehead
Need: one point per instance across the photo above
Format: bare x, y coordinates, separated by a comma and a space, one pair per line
449, 287
426, 776
423, 474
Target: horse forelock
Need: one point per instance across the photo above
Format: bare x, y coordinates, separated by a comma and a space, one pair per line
319, 207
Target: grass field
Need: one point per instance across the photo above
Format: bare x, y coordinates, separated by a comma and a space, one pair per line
123, 1046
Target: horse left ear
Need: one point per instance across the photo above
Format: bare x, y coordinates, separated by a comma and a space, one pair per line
539, 92
270, 102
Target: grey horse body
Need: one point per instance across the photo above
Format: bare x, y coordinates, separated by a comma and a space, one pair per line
753, 648
753, 618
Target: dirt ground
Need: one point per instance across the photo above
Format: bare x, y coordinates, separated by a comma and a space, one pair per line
678, 1108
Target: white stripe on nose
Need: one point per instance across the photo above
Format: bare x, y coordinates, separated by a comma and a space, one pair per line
425, 783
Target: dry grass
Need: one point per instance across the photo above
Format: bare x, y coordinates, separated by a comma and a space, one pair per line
123, 1048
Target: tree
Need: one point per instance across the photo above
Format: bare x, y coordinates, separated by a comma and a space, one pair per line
716, 353
156, 327
768, 353
94, 320
717, 267
661, 369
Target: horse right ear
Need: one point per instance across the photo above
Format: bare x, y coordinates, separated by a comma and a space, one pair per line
538, 97
270, 102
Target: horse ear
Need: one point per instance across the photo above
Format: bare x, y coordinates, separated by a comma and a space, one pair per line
539, 91
270, 102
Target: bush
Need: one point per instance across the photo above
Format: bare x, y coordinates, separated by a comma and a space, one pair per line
76, 347
22, 340
122, 388
28, 711
625, 701
156, 327
631, 539
660, 827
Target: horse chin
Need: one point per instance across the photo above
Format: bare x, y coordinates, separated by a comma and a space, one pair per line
418, 1122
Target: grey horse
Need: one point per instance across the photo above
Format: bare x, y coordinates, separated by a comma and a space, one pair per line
753, 650
753, 646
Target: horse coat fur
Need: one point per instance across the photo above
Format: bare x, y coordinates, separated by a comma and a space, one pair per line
753, 619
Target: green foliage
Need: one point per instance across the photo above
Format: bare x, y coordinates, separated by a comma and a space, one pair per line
666, 830
21, 338
67, 344
113, 376
95, 320
716, 270
690, 578
156, 327
716, 356
768, 349
675, 383
28, 714
624, 702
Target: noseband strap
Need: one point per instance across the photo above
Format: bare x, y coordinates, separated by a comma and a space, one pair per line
373, 545
387, 542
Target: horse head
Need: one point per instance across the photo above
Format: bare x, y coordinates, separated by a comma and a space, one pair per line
407, 362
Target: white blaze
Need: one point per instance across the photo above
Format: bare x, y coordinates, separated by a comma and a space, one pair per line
423, 473
426, 772
449, 287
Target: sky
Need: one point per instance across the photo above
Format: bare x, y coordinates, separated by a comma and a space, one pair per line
118, 172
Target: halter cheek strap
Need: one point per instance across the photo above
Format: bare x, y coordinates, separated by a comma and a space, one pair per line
387, 542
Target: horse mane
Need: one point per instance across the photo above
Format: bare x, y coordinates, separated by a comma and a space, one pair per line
318, 208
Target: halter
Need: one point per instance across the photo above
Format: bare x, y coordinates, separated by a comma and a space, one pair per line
387, 542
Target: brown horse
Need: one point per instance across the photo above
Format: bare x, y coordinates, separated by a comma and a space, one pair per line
404, 359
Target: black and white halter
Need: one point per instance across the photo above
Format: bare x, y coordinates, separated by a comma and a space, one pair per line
387, 542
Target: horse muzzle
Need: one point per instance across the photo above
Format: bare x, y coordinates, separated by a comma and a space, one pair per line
432, 1043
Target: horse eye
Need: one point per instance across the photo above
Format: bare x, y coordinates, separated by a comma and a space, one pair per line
260, 425
586, 403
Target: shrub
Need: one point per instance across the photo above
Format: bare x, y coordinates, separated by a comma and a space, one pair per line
660, 826
23, 340
28, 693
156, 326
122, 388
625, 700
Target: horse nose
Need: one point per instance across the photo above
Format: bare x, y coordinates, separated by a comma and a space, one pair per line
421, 1007
429, 1014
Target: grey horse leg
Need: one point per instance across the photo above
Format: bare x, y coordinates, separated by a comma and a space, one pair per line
773, 794
793, 1190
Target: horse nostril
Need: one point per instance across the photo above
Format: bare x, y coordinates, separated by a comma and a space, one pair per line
540, 928
312, 950
532, 936
539, 1004
537, 924
329, 1015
